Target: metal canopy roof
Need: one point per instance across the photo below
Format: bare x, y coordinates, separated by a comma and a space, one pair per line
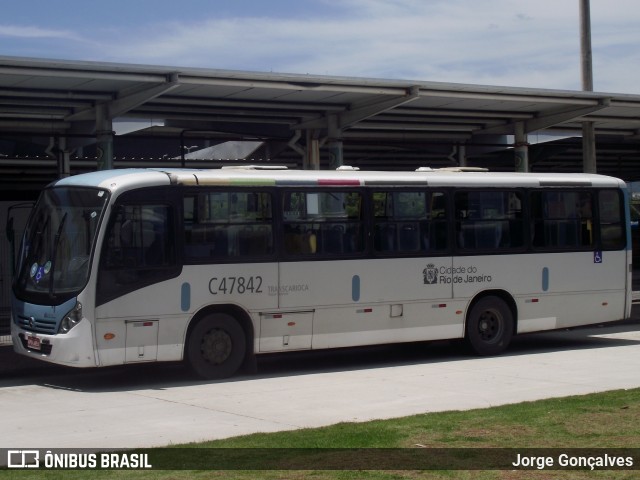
384, 124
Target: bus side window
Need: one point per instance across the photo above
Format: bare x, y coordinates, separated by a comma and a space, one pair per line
409, 222
139, 250
227, 225
139, 238
328, 223
438, 237
489, 220
612, 231
562, 219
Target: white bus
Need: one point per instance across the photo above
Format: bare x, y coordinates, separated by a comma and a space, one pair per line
217, 266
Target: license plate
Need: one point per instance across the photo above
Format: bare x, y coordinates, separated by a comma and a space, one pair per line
33, 343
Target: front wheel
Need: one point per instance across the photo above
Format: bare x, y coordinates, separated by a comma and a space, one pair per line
489, 326
216, 346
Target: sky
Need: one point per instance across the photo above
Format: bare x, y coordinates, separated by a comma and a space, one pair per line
520, 43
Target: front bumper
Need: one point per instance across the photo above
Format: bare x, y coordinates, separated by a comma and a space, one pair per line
74, 349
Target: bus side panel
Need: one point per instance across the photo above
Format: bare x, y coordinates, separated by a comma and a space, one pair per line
144, 325
629, 296
599, 277
554, 290
382, 324
570, 310
349, 282
128, 328
363, 302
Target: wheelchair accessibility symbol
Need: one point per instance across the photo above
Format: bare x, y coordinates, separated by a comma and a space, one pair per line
597, 256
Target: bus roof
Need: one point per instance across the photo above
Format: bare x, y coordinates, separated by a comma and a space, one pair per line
127, 179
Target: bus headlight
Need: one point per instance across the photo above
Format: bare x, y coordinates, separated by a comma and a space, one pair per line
71, 319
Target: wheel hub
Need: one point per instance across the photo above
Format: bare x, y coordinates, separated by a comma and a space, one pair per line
216, 346
489, 326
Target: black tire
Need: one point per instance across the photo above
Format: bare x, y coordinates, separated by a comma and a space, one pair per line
489, 326
216, 346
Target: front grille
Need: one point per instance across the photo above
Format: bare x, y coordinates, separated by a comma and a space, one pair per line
37, 325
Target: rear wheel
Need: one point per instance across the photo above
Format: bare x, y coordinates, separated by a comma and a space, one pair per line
489, 326
216, 346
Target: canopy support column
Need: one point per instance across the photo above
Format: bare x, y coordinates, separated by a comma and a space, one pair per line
104, 138
64, 159
462, 155
59, 150
334, 144
588, 130
312, 153
588, 148
521, 148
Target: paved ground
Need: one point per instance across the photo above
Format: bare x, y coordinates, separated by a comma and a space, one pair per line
45, 406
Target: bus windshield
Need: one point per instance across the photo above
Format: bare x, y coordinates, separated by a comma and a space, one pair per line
57, 244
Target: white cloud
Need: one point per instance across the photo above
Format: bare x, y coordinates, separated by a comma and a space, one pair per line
499, 42
18, 31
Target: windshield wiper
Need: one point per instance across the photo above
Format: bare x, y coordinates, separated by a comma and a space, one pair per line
56, 243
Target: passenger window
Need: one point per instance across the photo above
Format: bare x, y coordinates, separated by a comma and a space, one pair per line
139, 238
612, 231
323, 223
139, 250
562, 219
409, 222
227, 225
489, 220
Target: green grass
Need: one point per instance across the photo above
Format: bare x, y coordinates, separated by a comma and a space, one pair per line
605, 420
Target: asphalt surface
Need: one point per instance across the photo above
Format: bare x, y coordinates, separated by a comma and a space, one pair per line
47, 406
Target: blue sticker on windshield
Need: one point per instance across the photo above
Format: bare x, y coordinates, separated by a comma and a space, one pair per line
40, 274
